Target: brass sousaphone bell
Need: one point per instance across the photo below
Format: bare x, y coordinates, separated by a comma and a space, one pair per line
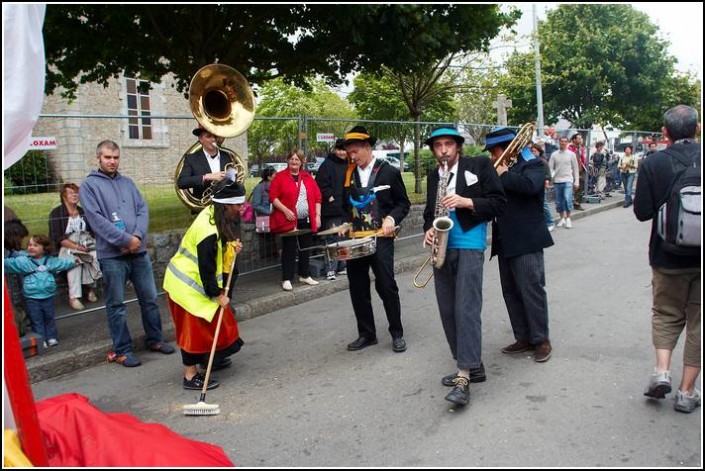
222, 102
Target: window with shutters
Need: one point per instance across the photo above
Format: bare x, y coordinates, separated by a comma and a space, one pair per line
139, 109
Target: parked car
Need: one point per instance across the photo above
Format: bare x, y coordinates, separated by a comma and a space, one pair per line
277, 166
254, 170
312, 167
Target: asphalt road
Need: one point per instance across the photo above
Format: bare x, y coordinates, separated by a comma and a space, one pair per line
296, 397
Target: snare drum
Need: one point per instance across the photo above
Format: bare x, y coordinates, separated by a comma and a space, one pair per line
351, 249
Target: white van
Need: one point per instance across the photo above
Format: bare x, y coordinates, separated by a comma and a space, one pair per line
392, 156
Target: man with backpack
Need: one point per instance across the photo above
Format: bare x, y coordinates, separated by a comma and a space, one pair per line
668, 191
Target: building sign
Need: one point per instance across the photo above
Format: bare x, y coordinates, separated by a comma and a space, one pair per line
325, 137
42, 143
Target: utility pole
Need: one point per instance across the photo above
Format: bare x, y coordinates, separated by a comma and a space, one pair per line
537, 66
502, 104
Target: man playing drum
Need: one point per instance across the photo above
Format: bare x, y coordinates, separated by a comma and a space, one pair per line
375, 200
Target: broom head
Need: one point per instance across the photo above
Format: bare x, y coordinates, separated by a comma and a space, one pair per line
201, 408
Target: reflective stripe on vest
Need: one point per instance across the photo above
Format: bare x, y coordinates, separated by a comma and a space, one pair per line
182, 279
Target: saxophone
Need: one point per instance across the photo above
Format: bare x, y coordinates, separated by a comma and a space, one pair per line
442, 224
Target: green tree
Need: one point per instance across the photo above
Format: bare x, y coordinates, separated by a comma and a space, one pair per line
279, 100
599, 64
92, 43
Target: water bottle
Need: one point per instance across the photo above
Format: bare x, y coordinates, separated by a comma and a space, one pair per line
119, 223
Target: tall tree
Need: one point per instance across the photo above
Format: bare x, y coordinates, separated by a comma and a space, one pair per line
280, 100
600, 64
92, 43
428, 92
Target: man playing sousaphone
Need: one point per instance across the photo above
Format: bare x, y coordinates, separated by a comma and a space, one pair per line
472, 195
203, 167
374, 199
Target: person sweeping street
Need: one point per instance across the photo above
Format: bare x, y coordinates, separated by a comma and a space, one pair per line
194, 282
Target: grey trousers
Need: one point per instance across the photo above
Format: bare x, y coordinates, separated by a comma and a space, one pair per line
459, 296
523, 282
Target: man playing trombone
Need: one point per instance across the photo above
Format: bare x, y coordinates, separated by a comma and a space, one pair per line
518, 238
469, 193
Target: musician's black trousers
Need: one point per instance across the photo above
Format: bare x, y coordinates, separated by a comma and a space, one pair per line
523, 282
382, 264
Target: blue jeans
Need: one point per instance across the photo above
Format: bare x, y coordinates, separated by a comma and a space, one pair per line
564, 197
547, 213
138, 269
459, 295
41, 314
628, 180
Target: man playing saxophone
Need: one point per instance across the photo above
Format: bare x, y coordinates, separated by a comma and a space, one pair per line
473, 197
518, 238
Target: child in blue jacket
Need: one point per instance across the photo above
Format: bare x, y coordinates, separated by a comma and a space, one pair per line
39, 285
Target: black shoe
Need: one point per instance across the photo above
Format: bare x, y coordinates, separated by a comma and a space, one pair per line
577, 207
477, 375
224, 363
460, 394
197, 382
398, 344
361, 343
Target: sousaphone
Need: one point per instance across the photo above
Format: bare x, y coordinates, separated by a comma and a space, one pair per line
222, 102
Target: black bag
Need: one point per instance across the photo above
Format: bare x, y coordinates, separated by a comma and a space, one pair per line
679, 220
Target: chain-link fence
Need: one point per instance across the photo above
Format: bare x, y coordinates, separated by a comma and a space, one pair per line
152, 148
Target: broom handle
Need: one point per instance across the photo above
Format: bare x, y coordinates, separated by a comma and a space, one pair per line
217, 332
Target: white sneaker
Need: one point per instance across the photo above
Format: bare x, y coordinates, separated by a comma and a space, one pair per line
561, 223
53, 342
344, 271
568, 224
286, 285
45, 345
308, 281
685, 403
331, 276
551, 227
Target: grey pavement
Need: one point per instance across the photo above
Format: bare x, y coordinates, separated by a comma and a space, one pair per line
296, 397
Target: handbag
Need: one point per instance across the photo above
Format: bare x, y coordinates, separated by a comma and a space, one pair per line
262, 224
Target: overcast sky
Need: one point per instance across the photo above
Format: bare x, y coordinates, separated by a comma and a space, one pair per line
679, 23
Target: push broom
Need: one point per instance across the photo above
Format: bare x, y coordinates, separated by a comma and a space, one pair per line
202, 408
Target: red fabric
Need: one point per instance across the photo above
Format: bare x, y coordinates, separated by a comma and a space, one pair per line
286, 189
195, 334
77, 434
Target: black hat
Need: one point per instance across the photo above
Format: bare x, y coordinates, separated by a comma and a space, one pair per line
340, 144
229, 193
499, 135
450, 131
199, 130
359, 133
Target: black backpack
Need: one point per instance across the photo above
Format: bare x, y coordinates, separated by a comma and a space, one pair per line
679, 220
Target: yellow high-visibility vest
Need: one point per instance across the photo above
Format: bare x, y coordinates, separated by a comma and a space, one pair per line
182, 279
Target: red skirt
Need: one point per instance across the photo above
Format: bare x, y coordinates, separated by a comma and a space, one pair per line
195, 334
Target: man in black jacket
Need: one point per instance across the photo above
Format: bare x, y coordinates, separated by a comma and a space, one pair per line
470, 196
675, 277
330, 179
518, 238
375, 200
203, 167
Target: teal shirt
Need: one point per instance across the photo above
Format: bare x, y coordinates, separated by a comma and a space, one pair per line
474, 239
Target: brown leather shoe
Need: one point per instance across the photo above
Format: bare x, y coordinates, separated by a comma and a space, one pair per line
543, 351
517, 347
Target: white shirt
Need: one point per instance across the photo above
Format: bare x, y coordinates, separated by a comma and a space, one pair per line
366, 173
213, 162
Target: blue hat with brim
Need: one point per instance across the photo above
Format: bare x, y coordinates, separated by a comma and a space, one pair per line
499, 136
449, 131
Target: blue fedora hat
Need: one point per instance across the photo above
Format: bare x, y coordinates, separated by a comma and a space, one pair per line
498, 136
450, 131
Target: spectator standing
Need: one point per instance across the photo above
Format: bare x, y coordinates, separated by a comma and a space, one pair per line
39, 287
331, 179
69, 232
297, 206
119, 216
263, 208
576, 146
676, 277
564, 167
628, 167
600, 160
537, 150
